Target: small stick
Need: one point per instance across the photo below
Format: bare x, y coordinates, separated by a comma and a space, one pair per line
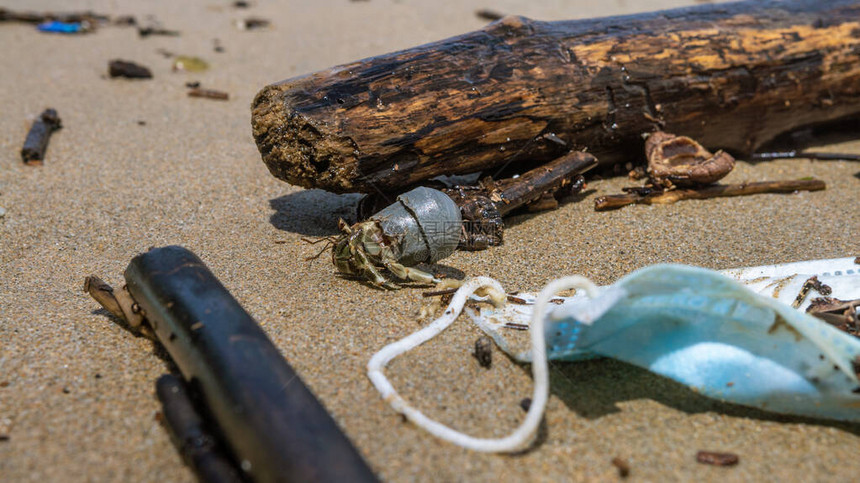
436, 293
7, 15
130, 70
103, 294
611, 202
33, 152
717, 459
810, 284
805, 154
147, 31
487, 14
209, 94
510, 194
200, 448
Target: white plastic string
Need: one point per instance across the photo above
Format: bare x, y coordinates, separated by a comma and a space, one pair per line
521, 436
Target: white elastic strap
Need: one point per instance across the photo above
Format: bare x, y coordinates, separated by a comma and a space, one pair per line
525, 432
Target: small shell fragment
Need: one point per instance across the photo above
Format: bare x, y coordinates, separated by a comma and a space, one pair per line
681, 161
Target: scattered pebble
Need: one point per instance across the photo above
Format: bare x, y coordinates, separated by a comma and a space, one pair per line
717, 459
484, 351
526, 404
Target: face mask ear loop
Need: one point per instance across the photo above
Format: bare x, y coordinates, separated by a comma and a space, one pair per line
524, 433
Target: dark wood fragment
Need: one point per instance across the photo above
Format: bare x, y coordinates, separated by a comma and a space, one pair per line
484, 351
732, 76
152, 30
36, 143
487, 14
482, 207
209, 94
252, 23
7, 15
717, 459
842, 314
130, 70
622, 465
612, 202
197, 443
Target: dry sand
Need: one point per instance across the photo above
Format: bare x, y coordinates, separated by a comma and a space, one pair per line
79, 404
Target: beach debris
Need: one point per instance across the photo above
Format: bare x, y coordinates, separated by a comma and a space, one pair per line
36, 143
241, 4
484, 351
217, 47
842, 314
717, 459
622, 465
252, 23
494, 108
679, 168
2, 212
815, 155
127, 69
526, 404
189, 64
680, 161
421, 226
199, 446
811, 284
426, 225
208, 94
731, 336
57, 27
87, 17
125, 21
657, 196
483, 205
265, 413
487, 14
156, 30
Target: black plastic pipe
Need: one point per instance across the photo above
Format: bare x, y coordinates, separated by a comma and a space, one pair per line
272, 423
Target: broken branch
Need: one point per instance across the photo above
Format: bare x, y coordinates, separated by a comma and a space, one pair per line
612, 202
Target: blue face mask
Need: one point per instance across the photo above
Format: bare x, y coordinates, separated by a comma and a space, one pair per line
719, 338
696, 326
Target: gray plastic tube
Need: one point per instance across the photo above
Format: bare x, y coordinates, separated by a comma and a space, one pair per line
426, 221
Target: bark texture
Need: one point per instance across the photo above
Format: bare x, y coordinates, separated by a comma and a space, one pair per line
731, 76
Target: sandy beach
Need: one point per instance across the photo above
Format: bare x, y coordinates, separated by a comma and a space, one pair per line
139, 164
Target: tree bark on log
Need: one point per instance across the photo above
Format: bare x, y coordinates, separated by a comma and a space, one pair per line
731, 76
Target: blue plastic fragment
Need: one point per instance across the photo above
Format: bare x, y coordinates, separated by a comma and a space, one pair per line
56, 27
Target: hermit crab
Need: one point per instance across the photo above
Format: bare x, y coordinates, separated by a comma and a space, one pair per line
422, 226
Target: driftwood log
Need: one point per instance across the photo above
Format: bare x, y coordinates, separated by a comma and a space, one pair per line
520, 92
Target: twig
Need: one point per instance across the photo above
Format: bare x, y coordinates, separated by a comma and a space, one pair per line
806, 155
209, 94
33, 151
198, 445
611, 202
